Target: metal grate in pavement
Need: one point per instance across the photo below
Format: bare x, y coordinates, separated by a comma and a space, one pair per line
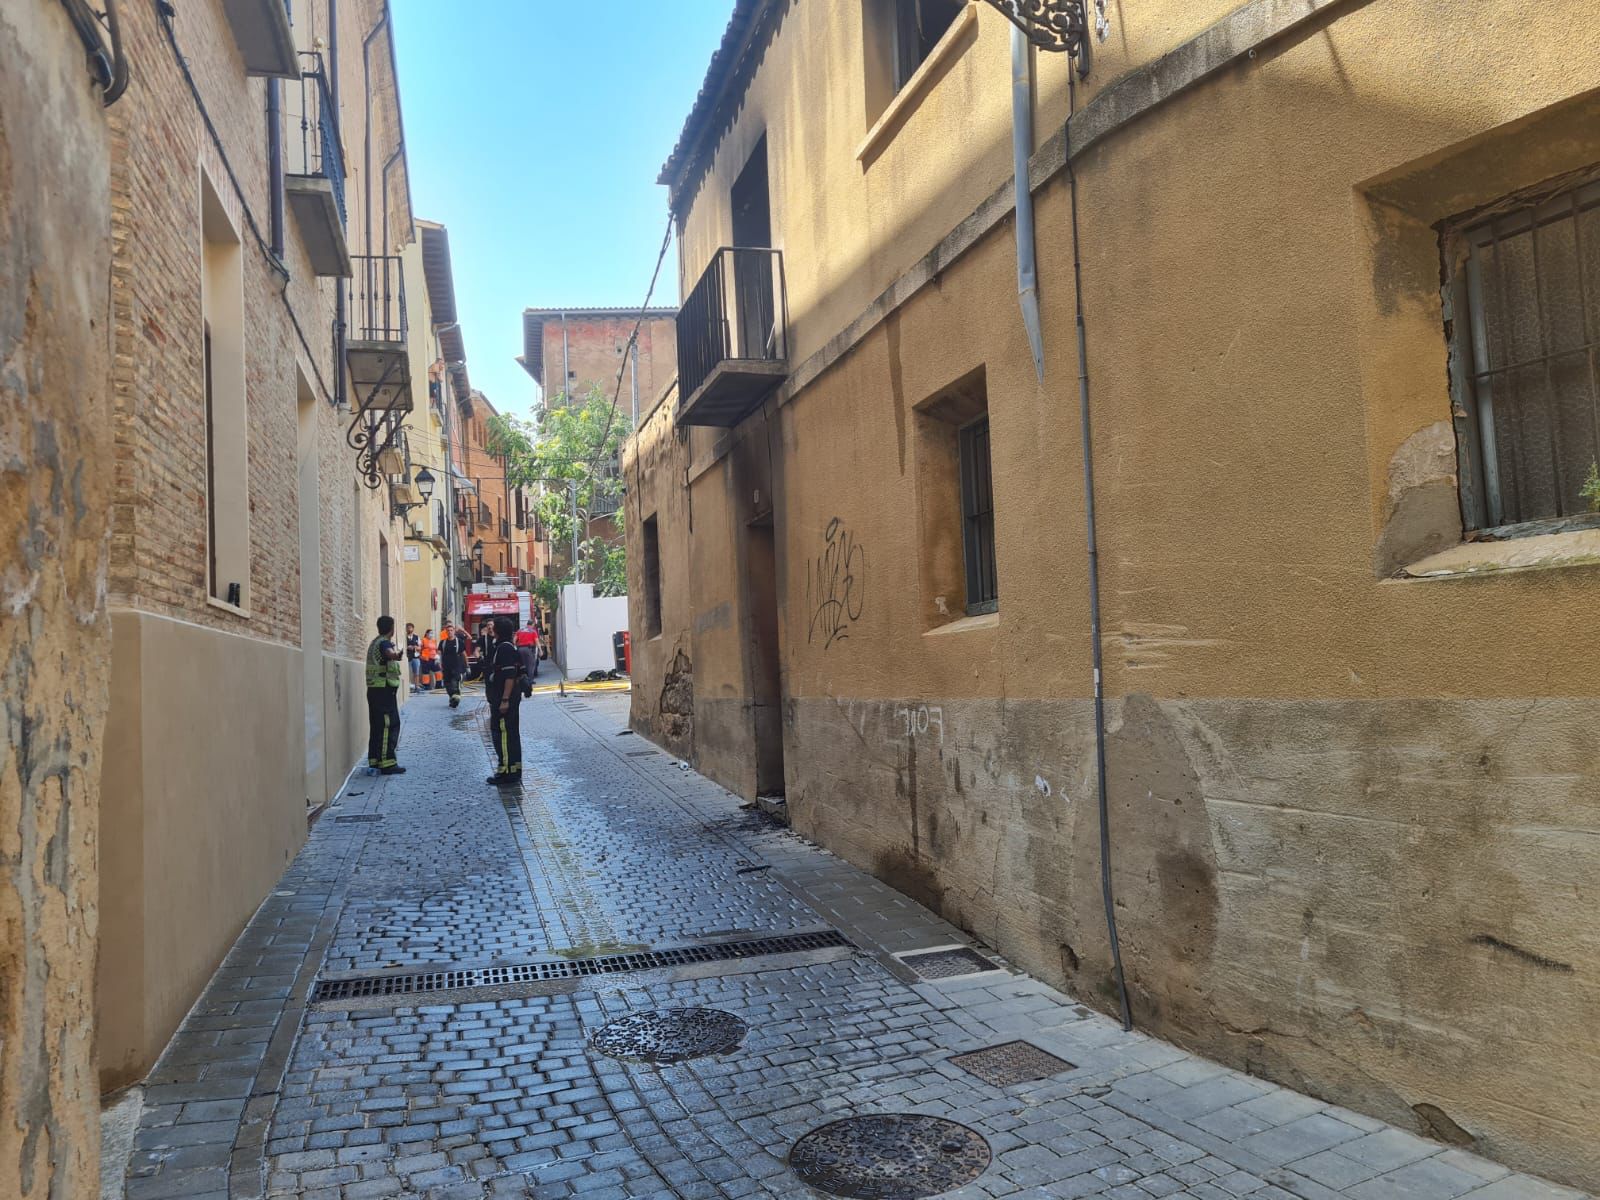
572, 968
641, 753
890, 1156
947, 962
1011, 1062
359, 817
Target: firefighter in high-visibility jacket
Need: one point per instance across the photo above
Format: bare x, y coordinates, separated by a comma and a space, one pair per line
383, 699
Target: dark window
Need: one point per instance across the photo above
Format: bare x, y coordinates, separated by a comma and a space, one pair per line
918, 26
652, 578
1524, 299
977, 518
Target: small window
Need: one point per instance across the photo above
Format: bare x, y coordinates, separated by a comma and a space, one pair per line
223, 386
955, 503
977, 518
652, 578
1524, 301
918, 26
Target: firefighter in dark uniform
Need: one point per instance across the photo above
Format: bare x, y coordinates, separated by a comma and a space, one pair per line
383, 699
502, 677
453, 660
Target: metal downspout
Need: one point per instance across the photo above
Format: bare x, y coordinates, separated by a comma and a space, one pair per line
1021, 150
340, 316
275, 167
1093, 548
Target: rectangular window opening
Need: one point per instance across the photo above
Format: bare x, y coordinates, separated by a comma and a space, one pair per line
652, 578
1523, 297
918, 26
227, 497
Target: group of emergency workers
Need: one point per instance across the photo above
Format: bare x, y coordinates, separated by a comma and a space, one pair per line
507, 661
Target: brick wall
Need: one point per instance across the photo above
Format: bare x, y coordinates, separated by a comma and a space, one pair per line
159, 539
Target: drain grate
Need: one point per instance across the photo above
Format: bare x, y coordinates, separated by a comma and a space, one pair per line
948, 963
893, 1156
358, 817
641, 753
1011, 1062
670, 1035
570, 968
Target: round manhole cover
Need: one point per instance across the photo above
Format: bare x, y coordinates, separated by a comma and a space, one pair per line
890, 1157
670, 1035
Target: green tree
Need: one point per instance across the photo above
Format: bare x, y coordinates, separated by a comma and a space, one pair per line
568, 456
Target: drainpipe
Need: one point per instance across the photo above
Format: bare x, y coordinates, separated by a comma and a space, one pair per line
1021, 149
275, 167
635, 376
340, 299
366, 133
1093, 548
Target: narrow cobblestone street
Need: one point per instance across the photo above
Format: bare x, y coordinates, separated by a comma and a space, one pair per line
334, 1056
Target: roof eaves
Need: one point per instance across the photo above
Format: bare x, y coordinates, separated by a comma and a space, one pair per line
732, 66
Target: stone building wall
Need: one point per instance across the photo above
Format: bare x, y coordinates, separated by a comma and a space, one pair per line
55, 476
1352, 806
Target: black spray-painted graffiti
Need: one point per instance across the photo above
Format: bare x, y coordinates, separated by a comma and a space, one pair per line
836, 585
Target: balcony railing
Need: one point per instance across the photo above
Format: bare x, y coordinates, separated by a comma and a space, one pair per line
313, 167
377, 299
375, 341
733, 336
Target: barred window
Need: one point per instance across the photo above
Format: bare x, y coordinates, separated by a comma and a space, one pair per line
1523, 297
977, 518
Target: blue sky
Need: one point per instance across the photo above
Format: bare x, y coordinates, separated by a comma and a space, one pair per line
534, 132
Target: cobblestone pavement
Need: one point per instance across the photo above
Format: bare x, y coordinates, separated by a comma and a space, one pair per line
493, 1085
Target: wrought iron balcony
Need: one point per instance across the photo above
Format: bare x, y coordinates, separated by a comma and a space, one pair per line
375, 345
313, 168
733, 337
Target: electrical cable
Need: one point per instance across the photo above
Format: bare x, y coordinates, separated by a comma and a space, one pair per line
1094, 582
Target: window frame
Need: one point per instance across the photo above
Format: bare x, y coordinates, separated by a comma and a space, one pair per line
977, 516
1480, 473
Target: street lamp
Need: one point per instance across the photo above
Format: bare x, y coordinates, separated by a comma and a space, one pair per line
423, 481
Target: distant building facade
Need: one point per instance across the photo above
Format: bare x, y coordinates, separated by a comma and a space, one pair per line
1338, 299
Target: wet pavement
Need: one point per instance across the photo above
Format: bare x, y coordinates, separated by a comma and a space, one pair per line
618, 982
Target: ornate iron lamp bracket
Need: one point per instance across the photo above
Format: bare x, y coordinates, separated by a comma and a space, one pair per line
1059, 26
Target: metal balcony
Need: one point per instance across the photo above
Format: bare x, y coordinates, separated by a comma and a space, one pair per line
733, 337
375, 346
313, 168
264, 36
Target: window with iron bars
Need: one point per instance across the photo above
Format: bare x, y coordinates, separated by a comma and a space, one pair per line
977, 518
1523, 304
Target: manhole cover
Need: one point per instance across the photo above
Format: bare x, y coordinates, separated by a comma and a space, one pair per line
670, 1035
893, 1156
948, 963
1011, 1062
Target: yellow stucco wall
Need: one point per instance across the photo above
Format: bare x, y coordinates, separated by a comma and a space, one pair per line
197, 827
1354, 817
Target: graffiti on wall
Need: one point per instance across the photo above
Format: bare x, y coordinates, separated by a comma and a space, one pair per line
836, 585
921, 720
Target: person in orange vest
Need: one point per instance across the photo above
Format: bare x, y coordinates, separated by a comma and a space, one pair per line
430, 661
